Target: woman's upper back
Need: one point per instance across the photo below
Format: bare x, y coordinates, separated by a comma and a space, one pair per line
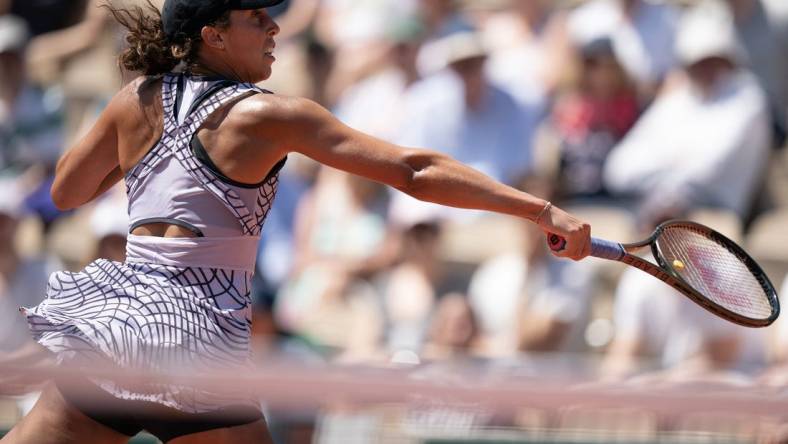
171, 175
140, 119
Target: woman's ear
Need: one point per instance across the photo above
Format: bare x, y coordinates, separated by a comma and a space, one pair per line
212, 37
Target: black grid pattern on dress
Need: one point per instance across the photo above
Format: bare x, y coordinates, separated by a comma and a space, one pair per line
150, 317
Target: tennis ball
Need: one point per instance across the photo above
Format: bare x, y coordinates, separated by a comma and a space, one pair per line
678, 265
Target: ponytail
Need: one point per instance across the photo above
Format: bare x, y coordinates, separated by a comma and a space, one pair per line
149, 50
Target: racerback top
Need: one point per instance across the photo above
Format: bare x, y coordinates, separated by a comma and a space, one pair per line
176, 182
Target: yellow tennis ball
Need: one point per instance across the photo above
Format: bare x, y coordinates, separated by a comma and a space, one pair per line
678, 265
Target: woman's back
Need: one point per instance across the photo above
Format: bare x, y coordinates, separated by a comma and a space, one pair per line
189, 194
177, 183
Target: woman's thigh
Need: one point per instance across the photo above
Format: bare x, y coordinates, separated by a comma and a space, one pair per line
53, 420
253, 433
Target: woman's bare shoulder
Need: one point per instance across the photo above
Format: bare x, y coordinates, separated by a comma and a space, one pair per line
137, 102
143, 90
274, 109
135, 115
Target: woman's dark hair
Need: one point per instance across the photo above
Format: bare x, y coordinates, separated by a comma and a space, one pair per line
149, 50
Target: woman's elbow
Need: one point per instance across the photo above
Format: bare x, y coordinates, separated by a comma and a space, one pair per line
62, 198
419, 165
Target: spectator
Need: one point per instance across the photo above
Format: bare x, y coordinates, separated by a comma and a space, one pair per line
529, 51
441, 18
653, 322
31, 135
526, 300
411, 288
325, 83
339, 232
70, 29
453, 331
22, 280
354, 30
642, 32
80, 59
358, 23
459, 111
766, 46
276, 251
588, 121
30, 119
702, 144
375, 105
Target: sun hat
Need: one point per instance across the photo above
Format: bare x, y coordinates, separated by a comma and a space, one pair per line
707, 31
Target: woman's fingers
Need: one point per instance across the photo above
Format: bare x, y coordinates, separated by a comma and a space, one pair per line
575, 234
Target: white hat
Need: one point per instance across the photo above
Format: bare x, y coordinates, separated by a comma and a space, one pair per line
707, 31
461, 46
457, 46
14, 33
405, 211
10, 198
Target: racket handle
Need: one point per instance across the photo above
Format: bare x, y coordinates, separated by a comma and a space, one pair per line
606, 249
599, 247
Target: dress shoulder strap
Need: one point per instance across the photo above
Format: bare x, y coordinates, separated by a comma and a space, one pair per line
169, 99
159, 151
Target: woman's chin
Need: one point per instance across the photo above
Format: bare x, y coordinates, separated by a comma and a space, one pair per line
262, 75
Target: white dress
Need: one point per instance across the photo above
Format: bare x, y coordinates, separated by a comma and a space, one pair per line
174, 303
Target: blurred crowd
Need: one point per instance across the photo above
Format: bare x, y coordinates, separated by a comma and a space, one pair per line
627, 112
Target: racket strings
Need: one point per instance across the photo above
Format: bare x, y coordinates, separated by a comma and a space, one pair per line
714, 271
731, 281
691, 275
717, 273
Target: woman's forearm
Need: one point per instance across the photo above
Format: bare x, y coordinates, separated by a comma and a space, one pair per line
305, 127
440, 179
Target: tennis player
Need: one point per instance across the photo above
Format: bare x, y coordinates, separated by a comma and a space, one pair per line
200, 151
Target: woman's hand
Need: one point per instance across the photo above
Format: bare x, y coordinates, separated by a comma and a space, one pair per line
575, 232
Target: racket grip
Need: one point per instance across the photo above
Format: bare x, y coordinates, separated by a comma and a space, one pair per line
599, 247
606, 249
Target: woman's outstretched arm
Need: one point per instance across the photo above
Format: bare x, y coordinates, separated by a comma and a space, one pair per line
300, 125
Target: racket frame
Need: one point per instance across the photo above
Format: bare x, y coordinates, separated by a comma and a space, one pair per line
666, 273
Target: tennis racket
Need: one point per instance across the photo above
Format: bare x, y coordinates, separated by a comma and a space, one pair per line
702, 264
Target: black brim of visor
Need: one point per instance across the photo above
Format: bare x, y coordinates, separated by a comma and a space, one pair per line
254, 4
